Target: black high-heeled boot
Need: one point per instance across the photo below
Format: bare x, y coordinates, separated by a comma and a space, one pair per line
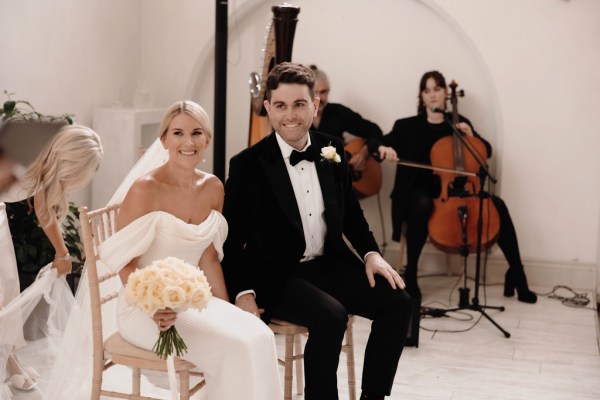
410, 279
515, 279
366, 396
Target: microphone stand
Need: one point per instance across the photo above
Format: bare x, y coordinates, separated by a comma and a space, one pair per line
464, 302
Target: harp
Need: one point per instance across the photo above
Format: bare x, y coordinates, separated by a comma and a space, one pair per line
278, 48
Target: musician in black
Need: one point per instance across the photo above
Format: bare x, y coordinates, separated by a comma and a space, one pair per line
335, 119
411, 139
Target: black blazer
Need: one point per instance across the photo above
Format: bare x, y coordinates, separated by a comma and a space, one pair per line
266, 240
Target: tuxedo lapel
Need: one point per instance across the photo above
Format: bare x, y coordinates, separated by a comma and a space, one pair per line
275, 170
327, 179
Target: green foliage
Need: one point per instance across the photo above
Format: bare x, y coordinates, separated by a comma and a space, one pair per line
32, 248
11, 110
71, 232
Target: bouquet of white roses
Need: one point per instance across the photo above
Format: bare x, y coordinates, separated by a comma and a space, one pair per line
169, 283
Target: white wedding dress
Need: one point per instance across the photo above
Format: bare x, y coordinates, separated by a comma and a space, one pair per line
234, 349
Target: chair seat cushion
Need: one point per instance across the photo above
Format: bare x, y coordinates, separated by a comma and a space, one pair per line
116, 345
286, 328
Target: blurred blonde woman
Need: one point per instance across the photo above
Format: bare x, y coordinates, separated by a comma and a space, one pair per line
68, 162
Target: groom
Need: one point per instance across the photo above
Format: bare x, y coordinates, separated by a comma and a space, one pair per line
289, 204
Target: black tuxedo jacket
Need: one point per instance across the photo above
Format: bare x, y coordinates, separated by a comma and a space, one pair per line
266, 240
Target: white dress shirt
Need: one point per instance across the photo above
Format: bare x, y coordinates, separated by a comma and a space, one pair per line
311, 205
309, 198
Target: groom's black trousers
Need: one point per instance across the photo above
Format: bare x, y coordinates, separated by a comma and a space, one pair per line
320, 295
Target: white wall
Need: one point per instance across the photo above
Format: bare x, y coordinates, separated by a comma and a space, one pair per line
530, 69
69, 56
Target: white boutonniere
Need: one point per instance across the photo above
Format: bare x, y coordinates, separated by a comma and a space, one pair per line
329, 155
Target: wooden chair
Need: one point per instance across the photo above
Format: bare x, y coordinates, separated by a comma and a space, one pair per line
96, 226
294, 353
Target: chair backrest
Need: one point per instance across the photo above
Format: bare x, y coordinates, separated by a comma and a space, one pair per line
96, 227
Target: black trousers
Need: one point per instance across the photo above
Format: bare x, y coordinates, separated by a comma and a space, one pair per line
320, 295
418, 211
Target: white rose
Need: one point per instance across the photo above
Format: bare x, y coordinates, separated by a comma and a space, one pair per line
174, 297
149, 275
328, 153
200, 297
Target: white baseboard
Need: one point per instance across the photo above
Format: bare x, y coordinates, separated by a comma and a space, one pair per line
542, 273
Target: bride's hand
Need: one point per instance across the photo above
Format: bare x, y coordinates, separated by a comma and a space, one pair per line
165, 318
62, 265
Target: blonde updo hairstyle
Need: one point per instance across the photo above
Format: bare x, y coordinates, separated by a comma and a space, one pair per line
190, 108
67, 163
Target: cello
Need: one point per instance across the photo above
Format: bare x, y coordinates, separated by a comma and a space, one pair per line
367, 182
461, 209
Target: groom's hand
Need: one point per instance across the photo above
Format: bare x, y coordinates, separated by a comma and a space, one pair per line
375, 264
247, 302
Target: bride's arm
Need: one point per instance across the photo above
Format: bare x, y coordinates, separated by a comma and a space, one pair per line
137, 203
209, 263
128, 269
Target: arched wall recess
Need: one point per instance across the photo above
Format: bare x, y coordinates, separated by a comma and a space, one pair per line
421, 36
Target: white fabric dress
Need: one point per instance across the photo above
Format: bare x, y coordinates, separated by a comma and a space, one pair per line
234, 349
9, 289
9, 284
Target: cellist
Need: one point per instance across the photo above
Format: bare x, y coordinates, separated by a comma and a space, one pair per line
411, 139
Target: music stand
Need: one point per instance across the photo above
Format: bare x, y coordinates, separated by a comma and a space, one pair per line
464, 303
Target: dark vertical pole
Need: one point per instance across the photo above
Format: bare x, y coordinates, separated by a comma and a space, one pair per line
220, 89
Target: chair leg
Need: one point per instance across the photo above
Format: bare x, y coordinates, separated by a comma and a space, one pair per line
288, 374
96, 384
299, 364
184, 385
349, 348
136, 375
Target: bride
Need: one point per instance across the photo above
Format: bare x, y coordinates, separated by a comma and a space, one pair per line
182, 205
169, 208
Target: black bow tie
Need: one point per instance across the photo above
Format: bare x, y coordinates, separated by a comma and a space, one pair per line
297, 156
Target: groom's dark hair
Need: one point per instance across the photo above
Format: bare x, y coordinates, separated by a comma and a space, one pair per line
289, 72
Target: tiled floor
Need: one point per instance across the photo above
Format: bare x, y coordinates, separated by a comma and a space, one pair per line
552, 352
